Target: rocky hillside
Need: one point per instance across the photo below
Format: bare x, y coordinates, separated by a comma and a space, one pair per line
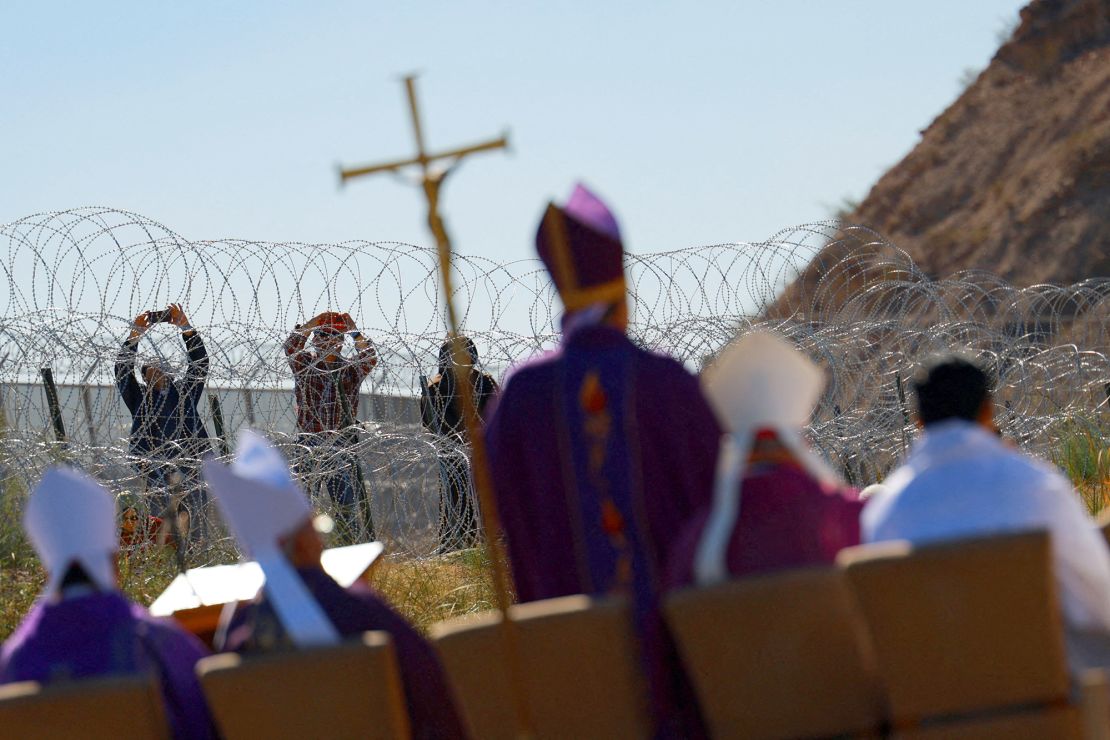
1014, 177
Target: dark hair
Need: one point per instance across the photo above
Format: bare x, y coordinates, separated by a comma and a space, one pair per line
145, 365
446, 364
446, 355
950, 386
75, 575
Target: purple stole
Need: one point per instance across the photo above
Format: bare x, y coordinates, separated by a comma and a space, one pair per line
596, 396
600, 452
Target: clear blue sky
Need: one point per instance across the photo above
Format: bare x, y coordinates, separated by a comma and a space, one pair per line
721, 122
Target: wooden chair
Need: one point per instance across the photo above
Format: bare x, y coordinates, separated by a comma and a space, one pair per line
110, 708
352, 690
968, 637
580, 670
781, 655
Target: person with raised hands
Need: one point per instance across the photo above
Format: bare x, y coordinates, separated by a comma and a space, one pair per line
326, 392
81, 625
167, 436
775, 503
300, 604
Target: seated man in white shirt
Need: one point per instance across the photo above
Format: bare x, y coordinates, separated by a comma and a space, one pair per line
960, 480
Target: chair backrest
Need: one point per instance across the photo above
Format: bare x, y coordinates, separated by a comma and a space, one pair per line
780, 655
109, 708
580, 670
967, 634
352, 690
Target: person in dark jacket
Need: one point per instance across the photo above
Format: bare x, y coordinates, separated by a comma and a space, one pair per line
441, 413
168, 435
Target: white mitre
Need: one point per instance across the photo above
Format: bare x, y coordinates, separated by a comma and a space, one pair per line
71, 517
877, 490
262, 504
760, 381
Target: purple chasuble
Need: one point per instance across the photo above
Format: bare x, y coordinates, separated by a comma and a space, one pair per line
599, 452
101, 634
787, 520
428, 695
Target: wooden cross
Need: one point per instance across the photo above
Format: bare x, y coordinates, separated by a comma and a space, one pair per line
432, 178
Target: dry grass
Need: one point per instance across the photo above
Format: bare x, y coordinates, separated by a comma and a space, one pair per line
1083, 453
19, 585
142, 577
428, 590
21, 577
424, 590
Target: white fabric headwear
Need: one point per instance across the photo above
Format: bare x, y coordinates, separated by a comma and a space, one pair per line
876, 490
258, 460
261, 504
71, 517
760, 381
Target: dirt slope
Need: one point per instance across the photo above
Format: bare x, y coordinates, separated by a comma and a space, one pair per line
1014, 177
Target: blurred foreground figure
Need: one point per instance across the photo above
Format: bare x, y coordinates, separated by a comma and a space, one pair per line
300, 605
776, 504
961, 480
326, 388
441, 413
82, 626
168, 436
600, 450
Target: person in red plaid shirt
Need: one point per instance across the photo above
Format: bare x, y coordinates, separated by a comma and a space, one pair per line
326, 387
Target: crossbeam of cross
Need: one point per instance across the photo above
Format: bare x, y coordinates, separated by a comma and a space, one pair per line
423, 158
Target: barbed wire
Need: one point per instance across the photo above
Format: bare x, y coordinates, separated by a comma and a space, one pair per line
76, 280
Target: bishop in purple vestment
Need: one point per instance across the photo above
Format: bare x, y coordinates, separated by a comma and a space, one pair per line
286, 520
788, 519
600, 450
82, 626
354, 610
776, 504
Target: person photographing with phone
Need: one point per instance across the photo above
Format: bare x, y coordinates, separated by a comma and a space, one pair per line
326, 390
168, 436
